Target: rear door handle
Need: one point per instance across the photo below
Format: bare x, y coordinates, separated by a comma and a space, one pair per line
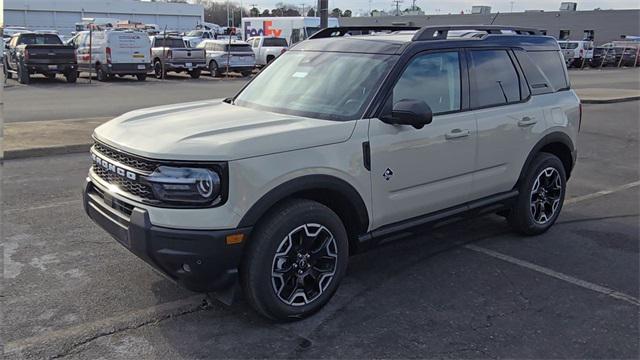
456, 134
527, 121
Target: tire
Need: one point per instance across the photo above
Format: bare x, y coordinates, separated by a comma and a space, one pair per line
23, 75
213, 69
266, 289
71, 76
246, 73
541, 195
157, 69
101, 74
195, 73
51, 77
7, 74
141, 77
270, 58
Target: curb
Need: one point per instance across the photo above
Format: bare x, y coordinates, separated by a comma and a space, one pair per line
609, 101
45, 151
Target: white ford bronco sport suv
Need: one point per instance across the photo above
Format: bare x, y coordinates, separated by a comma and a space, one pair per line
341, 141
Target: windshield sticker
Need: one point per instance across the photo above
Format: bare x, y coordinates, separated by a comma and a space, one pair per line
300, 74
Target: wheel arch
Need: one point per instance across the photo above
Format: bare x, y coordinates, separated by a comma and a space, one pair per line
335, 193
556, 143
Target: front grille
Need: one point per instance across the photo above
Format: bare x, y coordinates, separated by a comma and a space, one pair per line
134, 188
125, 159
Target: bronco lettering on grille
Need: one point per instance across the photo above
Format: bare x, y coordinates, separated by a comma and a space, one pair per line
113, 168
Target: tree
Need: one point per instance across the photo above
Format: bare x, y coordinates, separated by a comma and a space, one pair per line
336, 13
346, 13
265, 12
254, 12
217, 13
311, 12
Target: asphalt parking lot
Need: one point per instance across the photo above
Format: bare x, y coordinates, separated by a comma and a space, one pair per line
465, 290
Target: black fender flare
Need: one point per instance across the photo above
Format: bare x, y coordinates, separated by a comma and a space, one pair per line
554, 137
306, 183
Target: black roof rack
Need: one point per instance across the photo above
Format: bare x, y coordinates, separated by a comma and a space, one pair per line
358, 30
440, 32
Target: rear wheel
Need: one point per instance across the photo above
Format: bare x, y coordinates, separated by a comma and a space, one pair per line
195, 73
23, 75
157, 69
213, 69
295, 261
246, 73
101, 74
541, 195
270, 58
72, 76
141, 77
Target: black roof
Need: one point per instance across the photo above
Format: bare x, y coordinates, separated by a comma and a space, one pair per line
394, 40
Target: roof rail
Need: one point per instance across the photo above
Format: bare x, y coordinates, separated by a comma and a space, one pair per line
357, 30
440, 32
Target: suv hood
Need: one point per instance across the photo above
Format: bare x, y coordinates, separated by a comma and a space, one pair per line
216, 131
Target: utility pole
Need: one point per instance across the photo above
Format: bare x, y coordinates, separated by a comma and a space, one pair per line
323, 9
303, 13
254, 6
397, 2
511, 2
413, 5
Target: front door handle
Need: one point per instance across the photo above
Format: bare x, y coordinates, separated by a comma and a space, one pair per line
527, 121
456, 134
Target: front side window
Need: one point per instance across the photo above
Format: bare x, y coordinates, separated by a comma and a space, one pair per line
325, 85
433, 78
495, 80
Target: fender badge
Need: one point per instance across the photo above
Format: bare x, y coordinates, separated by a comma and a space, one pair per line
387, 174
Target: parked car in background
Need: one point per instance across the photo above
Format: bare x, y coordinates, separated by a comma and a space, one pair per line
33, 53
233, 55
115, 52
576, 52
267, 48
170, 53
602, 56
195, 37
625, 56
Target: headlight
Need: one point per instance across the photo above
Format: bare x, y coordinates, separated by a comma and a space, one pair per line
185, 185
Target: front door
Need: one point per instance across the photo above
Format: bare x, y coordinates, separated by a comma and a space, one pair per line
419, 171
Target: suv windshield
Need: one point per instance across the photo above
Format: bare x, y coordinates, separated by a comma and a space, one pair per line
197, 33
329, 85
40, 39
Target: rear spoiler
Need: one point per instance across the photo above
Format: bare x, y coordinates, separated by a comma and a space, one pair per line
359, 30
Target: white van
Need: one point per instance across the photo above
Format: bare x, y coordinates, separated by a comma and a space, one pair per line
293, 29
115, 52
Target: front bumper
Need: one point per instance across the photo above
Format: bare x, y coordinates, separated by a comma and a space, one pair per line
198, 260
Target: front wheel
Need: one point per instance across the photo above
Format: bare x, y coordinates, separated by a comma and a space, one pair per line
213, 69
295, 261
541, 195
141, 77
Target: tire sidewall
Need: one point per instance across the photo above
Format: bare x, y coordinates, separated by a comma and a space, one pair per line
541, 162
269, 238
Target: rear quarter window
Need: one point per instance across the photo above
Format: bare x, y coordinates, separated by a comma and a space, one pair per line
544, 70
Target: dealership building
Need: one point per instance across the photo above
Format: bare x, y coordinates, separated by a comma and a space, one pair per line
63, 15
606, 25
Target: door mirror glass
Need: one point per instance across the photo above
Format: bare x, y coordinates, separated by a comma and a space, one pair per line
410, 112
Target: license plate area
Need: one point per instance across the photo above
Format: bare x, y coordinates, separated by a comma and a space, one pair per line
141, 67
53, 67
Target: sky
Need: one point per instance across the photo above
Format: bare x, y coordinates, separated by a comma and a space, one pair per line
452, 6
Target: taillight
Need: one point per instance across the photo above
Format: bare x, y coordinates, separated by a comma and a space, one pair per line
26, 55
108, 53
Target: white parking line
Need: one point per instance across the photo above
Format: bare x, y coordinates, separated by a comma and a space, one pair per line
560, 276
47, 206
601, 193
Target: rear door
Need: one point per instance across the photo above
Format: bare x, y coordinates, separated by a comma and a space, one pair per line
241, 55
128, 47
419, 171
509, 120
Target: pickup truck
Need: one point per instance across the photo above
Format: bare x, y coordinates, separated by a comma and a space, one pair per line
267, 48
33, 53
170, 54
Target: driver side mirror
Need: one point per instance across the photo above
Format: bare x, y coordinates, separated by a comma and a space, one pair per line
410, 112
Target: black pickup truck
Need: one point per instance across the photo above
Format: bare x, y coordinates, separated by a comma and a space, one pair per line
34, 53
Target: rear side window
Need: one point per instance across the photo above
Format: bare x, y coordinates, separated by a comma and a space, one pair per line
274, 42
495, 79
169, 42
544, 70
239, 48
